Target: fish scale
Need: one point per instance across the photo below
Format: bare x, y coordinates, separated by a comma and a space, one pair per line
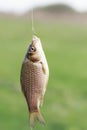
32, 79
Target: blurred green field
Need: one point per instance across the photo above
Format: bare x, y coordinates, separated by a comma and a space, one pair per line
65, 45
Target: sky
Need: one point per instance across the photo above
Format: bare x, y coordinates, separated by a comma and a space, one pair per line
21, 6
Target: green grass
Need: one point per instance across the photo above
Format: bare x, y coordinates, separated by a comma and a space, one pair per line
65, 45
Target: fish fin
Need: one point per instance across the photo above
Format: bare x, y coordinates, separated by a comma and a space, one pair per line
41, 102
34, 117
43, 67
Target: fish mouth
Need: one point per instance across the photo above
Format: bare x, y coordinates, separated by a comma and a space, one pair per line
34, 39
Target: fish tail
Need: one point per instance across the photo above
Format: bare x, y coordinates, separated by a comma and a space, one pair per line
36, 116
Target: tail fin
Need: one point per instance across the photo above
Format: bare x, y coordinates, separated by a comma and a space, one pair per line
36, 116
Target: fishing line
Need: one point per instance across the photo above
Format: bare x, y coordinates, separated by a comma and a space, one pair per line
32, 19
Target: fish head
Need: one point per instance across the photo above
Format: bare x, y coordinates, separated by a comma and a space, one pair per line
34, 50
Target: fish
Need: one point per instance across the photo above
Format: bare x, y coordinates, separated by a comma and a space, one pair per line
34, 79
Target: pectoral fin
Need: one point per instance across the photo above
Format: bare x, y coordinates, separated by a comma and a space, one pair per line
43, 67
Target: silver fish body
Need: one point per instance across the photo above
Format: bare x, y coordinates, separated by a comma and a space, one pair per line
34, 78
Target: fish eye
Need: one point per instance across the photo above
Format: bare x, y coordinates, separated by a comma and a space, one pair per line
32, 49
